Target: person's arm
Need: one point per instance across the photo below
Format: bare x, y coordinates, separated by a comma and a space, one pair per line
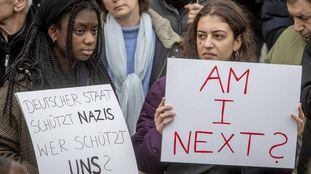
306, 81
147, 139
193, 10
11, 128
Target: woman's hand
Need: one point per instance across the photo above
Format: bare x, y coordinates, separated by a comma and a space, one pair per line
300, 119
193, 10
163, 116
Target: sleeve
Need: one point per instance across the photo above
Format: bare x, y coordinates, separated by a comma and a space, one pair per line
10, 130
306, 81
147, 140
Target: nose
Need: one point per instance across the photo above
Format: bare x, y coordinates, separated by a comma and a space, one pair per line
208, 43
298, 25
90, 39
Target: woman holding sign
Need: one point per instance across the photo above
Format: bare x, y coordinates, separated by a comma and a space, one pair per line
220, 31
61, 50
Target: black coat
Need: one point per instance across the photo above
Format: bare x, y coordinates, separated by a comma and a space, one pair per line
275, 18
305, 155
10, 50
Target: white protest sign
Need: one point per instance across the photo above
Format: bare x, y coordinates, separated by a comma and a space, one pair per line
231, 113
78, 130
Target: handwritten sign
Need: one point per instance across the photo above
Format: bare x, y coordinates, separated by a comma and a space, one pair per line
231, 113
78, 130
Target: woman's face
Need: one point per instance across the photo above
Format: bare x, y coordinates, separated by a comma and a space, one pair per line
84, 35
215, 39
122, 9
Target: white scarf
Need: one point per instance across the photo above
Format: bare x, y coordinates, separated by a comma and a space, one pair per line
129, 87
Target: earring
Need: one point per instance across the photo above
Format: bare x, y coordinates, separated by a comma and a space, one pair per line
236, 55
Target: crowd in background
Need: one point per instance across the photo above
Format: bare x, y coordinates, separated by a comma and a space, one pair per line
48, 44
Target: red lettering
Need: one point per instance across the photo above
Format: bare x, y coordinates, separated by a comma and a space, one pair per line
181, 143
226, 142
196, 141
277, 145
210, 77
238, 79
223, 111
250, 139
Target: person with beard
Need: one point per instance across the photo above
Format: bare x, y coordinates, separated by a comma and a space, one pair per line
62, 49
179, 12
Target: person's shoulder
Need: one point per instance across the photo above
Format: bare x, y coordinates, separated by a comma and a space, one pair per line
163, 29
287, 49
290, 34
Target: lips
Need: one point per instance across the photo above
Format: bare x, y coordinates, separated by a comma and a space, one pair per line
118, 7
87, 52
306, 37
209, 55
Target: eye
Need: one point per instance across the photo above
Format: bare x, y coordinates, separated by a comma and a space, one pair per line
219, 36
304, 18
94, 31
79, 32
201, 36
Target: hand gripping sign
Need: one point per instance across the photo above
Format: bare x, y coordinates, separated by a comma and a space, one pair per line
231, 113
78, 130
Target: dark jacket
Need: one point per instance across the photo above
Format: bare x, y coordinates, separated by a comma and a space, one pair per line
10, 50
275, 19
305, 157
147, 140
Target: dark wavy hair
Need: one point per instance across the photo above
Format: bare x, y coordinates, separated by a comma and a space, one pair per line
235, 17
143, 6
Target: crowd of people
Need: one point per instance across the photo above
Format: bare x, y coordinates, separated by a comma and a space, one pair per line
51, 44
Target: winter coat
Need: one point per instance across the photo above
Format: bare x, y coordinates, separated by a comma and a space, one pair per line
10, 50
305, 157
288, 49
275, 19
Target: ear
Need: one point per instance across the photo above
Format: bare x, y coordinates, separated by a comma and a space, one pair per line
52, 31
20, 5
237, 43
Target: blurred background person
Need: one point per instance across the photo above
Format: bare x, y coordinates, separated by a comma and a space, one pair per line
15, 20
137, 42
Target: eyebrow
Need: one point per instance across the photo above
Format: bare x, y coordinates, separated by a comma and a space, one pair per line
216, 31
84, 24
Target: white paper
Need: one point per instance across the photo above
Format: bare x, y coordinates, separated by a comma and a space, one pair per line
262, 107
78, 130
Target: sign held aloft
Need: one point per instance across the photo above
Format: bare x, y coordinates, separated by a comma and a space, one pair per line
231, 113
78, 130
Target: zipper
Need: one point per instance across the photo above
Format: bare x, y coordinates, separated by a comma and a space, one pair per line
6, 62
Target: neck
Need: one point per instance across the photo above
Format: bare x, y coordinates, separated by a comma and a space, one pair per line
12, 25
65, 64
